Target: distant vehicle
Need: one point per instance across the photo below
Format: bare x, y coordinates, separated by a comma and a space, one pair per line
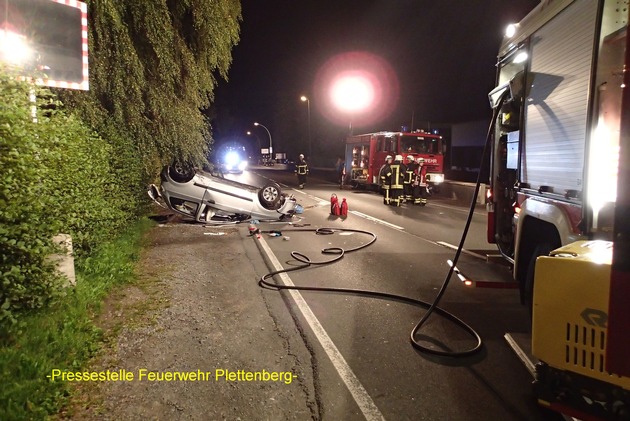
207, 196
230, 158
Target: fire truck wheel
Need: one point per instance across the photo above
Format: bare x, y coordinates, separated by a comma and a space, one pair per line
542, 249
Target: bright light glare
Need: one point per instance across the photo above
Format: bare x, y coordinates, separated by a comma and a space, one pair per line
231, 158
352, 93
242, 165
510, 30
520, 57
604, 159
14, 48
600, 252
355, 87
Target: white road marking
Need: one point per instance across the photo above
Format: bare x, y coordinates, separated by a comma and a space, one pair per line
468, 252
320, 202
356, 389
379, 221
521, 354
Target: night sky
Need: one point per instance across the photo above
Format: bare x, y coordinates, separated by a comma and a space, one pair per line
434, 63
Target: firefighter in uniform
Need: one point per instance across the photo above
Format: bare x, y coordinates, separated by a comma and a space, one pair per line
420, 183
409, 170
385, 175
341, 172
396, 181
301, 169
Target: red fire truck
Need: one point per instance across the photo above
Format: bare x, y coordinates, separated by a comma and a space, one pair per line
365, 155
555, 150
560, 184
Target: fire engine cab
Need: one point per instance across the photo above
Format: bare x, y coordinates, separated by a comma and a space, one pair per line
365, 155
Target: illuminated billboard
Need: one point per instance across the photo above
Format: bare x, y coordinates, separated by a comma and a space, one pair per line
48, 37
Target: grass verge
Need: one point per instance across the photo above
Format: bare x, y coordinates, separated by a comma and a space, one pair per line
64, 336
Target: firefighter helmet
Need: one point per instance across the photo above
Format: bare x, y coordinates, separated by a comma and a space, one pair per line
388, 157
410, 158
420, 160
301, 156
398, 158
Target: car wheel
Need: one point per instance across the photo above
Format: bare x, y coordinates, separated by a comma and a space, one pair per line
269, 195
181, 172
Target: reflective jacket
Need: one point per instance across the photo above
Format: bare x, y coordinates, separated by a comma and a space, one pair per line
411, 169
385, 175
301, 168
420, 176
398, 175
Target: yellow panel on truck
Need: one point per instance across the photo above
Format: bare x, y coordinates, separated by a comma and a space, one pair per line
569, 328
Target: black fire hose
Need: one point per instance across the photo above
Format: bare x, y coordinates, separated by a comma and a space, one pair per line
433, 306
339, 254
460, 247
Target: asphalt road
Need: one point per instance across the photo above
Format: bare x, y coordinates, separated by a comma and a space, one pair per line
365, 365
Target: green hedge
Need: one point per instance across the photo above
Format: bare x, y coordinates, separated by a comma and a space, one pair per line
57, 176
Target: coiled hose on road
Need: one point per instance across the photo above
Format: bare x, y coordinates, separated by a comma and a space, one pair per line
432, 307
339, 253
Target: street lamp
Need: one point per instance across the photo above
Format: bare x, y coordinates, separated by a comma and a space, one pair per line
308, 110
270, 141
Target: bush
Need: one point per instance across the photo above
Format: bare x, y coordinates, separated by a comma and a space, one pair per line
26, 228
56, 177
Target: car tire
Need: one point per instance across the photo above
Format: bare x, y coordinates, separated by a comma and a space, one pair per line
181, 172
269, 195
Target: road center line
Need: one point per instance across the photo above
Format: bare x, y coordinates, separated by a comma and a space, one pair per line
358, 392
379, 221
320, 202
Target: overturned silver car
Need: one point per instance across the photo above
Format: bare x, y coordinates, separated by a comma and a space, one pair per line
208, 197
